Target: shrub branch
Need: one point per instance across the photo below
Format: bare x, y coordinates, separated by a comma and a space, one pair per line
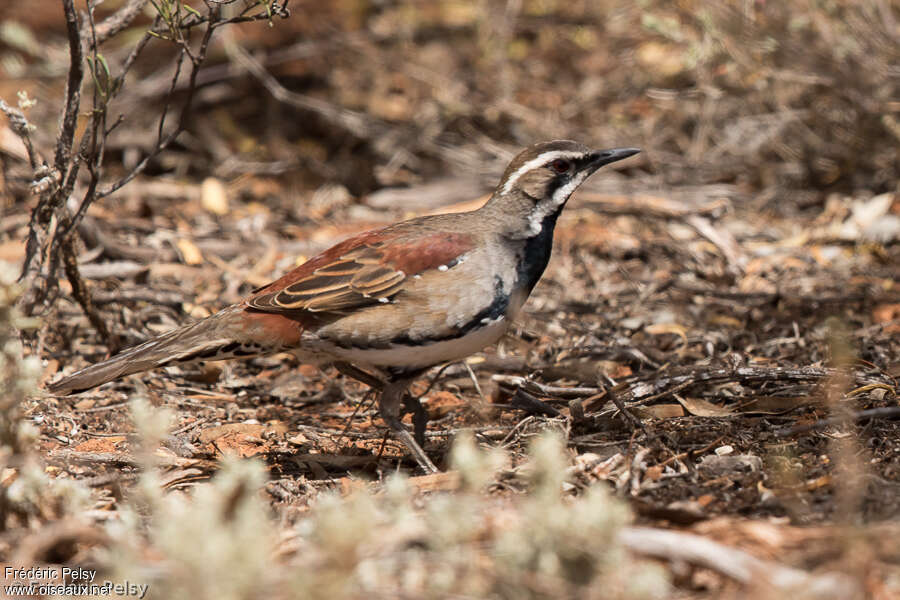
51, 242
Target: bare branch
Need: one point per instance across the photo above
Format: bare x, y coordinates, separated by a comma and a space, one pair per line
82, 295
51, 237
53, 199
163, 142
356, 123
73, 88
118, 21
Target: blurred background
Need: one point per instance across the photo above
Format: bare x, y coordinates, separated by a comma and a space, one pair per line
774, 103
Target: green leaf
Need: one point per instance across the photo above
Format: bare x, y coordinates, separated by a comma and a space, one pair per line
103, 62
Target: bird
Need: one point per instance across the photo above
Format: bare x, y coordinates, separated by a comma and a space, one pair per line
387, 305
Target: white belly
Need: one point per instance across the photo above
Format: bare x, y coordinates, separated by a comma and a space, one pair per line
426, 355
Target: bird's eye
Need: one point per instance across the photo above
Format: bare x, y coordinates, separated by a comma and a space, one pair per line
560, 165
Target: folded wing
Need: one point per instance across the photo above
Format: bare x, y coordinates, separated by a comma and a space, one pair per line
366, 270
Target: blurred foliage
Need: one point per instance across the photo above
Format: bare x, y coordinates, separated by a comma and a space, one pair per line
28, 496
220, 543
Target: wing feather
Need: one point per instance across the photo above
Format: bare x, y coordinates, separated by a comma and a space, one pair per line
352, 275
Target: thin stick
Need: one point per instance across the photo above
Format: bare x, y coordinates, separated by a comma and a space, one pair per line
736, 564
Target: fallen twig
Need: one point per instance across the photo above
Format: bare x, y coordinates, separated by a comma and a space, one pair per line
123, 459
737, 564
649, 206
885, 412
534, 387
657, 385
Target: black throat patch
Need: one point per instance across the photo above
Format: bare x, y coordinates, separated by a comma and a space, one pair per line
536, 253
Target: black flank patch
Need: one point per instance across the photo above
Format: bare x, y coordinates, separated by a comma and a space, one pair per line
494, 310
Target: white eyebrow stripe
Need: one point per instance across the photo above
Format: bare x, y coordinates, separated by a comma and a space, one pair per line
542, 159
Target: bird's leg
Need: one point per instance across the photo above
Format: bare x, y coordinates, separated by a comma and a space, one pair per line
413, 405
389, 405
358, 374
393, 395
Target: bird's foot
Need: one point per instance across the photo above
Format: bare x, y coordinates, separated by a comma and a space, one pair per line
393, 395
402, 433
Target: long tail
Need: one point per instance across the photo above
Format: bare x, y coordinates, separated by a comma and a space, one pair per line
213, 338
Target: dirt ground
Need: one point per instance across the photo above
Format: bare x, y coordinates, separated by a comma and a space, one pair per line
747, 319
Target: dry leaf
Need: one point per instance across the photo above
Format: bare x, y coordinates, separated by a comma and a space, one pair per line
659, 411
663, 59
7, 476
702, 408
885, 313
254, 430
190, 253
722, 465
818, 482
104, 444
85, 404
213, 196
663, 328
705, 500
298, 440
441, 403
654, 473
726, 321
446, 481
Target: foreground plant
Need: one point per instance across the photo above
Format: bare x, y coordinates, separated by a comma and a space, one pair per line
387, 541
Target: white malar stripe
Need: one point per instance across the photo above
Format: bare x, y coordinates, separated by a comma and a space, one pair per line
542, 159
547, 207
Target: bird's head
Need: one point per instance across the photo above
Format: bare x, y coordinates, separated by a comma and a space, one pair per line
538, 182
